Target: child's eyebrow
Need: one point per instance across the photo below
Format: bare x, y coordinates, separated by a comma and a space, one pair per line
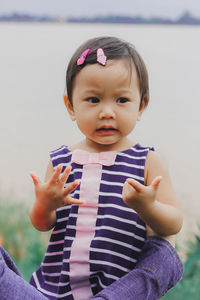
124, 89
92, 90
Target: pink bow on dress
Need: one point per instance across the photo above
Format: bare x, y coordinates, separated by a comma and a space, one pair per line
82, 157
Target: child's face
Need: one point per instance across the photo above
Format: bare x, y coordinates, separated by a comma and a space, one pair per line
106, 103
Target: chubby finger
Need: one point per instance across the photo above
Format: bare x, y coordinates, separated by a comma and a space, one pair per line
55, 175
155, 183
68, 190
36, 179
65, 175
70, 200
135, 184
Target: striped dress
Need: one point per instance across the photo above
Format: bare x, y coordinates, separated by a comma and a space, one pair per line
96, 243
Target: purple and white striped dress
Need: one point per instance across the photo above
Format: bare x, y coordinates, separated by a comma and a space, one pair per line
93, 244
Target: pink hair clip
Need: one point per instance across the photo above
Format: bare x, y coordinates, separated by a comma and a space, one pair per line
82, 58
101, 58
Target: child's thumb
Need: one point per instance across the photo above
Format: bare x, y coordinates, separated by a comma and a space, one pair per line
155, 183
35, 178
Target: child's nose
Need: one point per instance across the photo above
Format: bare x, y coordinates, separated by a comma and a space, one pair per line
107, 112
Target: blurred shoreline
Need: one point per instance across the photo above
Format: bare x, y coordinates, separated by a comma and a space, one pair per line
185, 19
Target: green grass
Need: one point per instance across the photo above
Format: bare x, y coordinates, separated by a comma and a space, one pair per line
189, 286
25, 245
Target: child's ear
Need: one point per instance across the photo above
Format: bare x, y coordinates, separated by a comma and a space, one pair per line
70, 108
142, 107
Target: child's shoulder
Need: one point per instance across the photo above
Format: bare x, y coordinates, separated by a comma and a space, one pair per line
141, 150
139, 147
61, 150
59, 154
155, 165
154, 158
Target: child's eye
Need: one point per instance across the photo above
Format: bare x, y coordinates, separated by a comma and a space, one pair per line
93, 100
122, 100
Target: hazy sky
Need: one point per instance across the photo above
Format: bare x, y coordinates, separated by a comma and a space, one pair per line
165, 8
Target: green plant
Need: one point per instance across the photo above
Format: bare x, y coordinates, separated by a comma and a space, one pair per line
25, 245
189, 286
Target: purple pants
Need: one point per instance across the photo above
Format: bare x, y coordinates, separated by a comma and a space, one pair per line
159, 268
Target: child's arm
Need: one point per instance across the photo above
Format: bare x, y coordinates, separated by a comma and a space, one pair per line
51, 195
155, 202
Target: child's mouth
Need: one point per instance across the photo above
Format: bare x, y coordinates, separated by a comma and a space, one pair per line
106, 130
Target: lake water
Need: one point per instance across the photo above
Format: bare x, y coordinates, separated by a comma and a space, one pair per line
33, 119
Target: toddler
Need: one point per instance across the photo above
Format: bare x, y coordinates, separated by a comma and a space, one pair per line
102, 195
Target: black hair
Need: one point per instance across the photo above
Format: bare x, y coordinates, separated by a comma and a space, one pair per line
114, 48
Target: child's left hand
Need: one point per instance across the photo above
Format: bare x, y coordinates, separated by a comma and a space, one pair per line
140, 197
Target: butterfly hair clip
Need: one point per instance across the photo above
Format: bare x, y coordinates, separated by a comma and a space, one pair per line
101, 58
82, 58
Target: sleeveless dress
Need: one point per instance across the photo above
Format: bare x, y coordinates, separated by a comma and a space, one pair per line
98, 242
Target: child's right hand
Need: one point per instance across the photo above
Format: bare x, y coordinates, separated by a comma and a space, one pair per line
51, 195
